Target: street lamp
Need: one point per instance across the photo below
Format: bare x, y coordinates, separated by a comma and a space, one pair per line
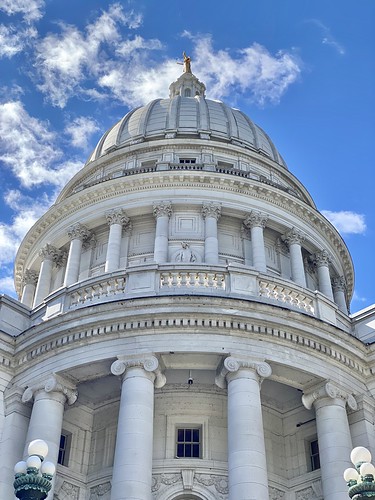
361, 479
33, 478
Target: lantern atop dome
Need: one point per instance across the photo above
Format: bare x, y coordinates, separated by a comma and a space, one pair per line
187, 85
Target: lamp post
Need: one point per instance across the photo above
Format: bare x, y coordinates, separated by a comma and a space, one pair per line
33, 478
361, 479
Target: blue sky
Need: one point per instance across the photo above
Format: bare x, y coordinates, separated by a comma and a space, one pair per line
303, 70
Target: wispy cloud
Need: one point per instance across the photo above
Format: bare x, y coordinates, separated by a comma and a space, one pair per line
31, 10
80, 131
13, 39
346, 222
29, 148
327, 37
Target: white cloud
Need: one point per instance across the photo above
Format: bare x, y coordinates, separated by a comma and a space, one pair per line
28, 211
80, 130
29, 149
67, 61
7, 285
14, 39
31, 10
346, 222
127, 47
327, 37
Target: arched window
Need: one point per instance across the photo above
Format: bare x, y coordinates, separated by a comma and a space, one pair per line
187, 92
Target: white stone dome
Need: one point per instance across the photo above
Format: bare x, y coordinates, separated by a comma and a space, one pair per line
191, 117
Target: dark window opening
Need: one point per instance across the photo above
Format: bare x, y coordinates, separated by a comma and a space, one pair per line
188, 443
187, 160
64, 449
314, 455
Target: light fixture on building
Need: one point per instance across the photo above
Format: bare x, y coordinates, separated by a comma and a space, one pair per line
33, 478
361, 479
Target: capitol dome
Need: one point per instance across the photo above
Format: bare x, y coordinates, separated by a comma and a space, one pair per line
183, 329
182, 116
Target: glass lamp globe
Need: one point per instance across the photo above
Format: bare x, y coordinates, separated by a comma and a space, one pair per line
367, 469
33, 462
20, 468
38, 447
360, 454
48, 468
351, 475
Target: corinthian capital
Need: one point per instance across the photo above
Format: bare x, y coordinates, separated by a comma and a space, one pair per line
322, 258
30, 277
293, 236
49, 252
339, 283
117, 216
54, 384
211, 210
233, 364
328, 390
255, 219
79, 232
162, 209
149, 363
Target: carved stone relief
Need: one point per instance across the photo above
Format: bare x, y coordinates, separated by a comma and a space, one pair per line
101, 491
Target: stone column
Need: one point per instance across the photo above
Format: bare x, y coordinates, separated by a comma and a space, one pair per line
256, 222
29, 280
12, 439
132, 468
116, 219
77, 234
162, 213
322, 261
247, 468
339, 289
335, 443
49, 254
211, 213
47, 414
294, 239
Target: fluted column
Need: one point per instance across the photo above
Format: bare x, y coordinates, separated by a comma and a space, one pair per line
77, 234
132, 468
116, 219
256, 222
49, 254
211, 213
334, 438
29, 280
247, 467
47, 414
339, 288
322, 261
294, 239
162, 212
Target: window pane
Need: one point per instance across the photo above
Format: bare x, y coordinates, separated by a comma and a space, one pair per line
196, 435
180, 435
187, 450
196, 450
188, 435
180, 450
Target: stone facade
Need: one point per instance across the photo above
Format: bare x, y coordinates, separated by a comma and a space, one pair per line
184, 280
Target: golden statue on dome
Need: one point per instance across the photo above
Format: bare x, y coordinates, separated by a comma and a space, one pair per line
187, 63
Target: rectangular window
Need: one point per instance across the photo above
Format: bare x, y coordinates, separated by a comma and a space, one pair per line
188, 442
64, 449
314, 455
187, 160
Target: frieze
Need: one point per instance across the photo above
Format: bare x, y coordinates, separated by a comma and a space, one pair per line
99, 491
276, 494
70, 337
219, 482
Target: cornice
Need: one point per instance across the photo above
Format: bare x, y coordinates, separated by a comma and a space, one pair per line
65, 336
184, 179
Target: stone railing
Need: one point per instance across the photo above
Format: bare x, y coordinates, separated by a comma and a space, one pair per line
234, 281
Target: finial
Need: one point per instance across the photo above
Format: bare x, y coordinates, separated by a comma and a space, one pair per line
187, 63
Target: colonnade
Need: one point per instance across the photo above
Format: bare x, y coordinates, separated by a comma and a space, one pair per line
247, 466
37, 288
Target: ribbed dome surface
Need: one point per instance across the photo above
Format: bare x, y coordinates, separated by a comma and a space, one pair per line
190, 117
